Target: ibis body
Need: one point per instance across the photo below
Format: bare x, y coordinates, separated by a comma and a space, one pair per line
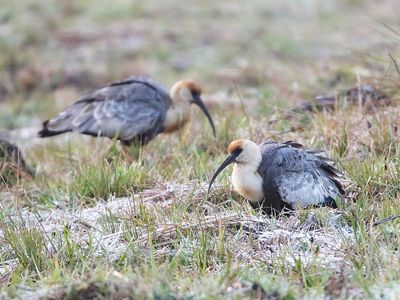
134, 111
278, 175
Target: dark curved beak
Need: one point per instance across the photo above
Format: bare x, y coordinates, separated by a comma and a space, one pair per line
229, 160
197, 100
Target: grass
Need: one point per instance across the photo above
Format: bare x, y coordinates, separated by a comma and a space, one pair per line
92, 226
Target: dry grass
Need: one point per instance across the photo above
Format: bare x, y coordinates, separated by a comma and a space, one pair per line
89, 225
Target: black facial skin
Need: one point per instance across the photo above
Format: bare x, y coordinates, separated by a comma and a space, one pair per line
197, 100
229, 160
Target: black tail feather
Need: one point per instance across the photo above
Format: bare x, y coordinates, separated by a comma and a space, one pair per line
46, 132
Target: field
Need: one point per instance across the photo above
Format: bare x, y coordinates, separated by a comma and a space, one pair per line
89, 225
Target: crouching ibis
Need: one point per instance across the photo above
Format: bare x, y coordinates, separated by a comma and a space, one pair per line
273, 175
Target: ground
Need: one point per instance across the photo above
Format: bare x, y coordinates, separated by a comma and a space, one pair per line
90, 225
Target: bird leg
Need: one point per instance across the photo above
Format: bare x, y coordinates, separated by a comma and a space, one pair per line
116, 151
184, 134
131, 153
125, 153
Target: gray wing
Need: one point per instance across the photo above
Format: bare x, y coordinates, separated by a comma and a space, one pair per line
298, 178
131, 109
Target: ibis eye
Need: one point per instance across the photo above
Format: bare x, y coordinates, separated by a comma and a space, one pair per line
237, 152
195, 94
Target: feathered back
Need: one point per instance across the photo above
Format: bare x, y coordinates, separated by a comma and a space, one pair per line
133, 110
296, 177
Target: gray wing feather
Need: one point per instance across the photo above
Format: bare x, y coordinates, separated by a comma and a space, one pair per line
297, 177
126, 109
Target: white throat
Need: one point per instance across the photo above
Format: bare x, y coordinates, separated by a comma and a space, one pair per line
247, 182
177, 116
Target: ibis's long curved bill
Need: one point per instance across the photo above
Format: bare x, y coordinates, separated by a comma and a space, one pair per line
229, 160
197, 100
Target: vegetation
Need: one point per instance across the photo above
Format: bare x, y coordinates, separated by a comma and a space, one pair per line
89, 225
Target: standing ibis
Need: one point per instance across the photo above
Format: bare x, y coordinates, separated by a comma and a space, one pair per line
133, 111
278, 175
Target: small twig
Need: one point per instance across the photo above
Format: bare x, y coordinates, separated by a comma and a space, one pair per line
242, 106
18, 170
392, 29
237, 91
88, 225
385, 220
168, 229
394, 61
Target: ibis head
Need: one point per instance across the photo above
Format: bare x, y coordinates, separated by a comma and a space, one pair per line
247, 156
183, 94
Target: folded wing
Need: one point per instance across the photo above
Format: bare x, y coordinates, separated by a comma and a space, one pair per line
299, 178
133, 109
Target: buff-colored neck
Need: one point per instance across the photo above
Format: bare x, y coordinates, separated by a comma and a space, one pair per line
245, 178
177, 116
178, 113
